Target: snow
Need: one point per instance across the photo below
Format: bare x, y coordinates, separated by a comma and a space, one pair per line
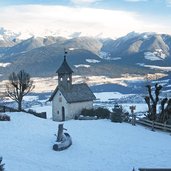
104, 55
105, 96
155, 67
26, 144
82, 65
145, 36
116, 58
130, 35
158, 54
107, 56
8, 34
30, 98
92, 61
71, 49
4, 64
104, 99
47, 109
1, 37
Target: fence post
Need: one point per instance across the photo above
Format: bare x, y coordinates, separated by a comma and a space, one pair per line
133, 121
4, 109
164, 126
152, 126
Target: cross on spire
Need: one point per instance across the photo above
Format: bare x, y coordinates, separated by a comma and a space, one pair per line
65, 53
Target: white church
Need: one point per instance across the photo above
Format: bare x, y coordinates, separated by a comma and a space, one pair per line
69, 99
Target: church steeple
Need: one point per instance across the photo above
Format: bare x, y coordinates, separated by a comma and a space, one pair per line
65, 74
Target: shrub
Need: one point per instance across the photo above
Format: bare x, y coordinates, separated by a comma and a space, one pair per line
1, 165
31, 111
117, 112
4, 117
102, 113
88, 112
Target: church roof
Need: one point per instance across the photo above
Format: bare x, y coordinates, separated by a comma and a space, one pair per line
77, 93
64, 68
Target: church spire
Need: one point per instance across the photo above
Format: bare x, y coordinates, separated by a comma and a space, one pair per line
64, 68
65, 53
65, 74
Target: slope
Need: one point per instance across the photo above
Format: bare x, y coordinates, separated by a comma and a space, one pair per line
26, 144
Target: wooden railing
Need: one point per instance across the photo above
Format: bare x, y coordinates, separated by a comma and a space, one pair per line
4, 109
157, 169
157, 125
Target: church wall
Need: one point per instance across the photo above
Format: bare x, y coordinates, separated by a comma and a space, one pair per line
71, 109
57, 104
76, 108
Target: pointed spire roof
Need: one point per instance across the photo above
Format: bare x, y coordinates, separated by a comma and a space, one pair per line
64, 68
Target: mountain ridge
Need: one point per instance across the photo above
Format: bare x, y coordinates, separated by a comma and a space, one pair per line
131, 54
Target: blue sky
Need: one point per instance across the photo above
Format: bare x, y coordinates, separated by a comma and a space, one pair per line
106, 17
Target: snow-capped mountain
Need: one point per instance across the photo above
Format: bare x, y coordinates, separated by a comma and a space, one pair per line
151, 46
133, 54
8, 38
33, 43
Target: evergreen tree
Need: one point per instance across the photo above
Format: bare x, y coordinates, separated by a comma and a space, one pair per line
1, 165
116, 115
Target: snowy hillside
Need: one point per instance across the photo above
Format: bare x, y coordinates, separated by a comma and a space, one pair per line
26, 144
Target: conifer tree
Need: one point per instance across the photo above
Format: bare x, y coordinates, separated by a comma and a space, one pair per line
1, 165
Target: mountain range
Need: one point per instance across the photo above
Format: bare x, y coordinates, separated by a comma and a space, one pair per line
41, 56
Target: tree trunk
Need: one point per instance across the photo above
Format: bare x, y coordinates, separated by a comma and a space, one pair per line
163, 112
152, 126
19, 105
147, 100
60, 133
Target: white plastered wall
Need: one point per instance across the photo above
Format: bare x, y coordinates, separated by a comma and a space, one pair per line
71, 109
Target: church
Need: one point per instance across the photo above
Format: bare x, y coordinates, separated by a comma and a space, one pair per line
69, 99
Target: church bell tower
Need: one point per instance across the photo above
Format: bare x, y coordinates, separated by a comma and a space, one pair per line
65, 74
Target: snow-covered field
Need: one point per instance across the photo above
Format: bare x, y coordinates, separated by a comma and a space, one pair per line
92, 61
82, 65
155, 67
48, 84
26, 144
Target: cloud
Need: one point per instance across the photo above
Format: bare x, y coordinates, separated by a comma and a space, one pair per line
84, 1
64, 21
168, 2
136, 0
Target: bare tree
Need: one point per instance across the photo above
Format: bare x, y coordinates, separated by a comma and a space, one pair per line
153, 100
163, 113
19, 85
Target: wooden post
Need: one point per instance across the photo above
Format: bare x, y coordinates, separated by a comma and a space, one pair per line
133, 121
152, 126
4, 109
60, 133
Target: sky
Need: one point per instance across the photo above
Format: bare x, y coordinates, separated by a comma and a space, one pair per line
98, 18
